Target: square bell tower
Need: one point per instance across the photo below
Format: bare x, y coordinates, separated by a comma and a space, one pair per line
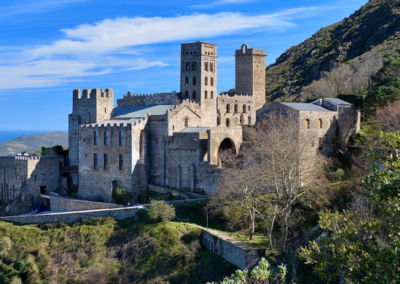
199, 78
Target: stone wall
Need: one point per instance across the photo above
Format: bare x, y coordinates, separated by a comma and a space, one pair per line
73, 217
250, 73
60, 203
149, 99
96, 182
238, 109
28, 176
243, 257
93, 106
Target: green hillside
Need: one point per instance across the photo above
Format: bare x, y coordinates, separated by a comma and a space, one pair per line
106, 251
373, 28
33, 143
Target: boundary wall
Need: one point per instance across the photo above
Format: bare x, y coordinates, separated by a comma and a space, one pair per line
61, 203
74, 216
244, 257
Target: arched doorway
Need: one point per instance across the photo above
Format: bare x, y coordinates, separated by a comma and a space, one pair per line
225, 150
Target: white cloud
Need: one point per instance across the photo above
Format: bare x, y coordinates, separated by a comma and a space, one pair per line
222, 2
115, 44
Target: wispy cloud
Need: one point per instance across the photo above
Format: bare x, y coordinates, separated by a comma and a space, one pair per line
13, 8
118, 44
221, 2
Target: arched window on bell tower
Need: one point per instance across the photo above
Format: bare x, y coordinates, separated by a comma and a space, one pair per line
194, 95
194, 80
206, 81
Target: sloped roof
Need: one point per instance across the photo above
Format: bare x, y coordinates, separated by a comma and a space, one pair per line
337, 101
305, 107
194, 129
140, 111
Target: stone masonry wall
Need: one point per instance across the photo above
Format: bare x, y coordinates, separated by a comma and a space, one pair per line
28, 176
240, 107
149, 99
244, 258
96, 183
60, 203
93, 106
73, 217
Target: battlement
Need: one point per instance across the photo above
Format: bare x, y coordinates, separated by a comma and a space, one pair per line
192, 105
240, 98
27, 158
93, 94
149, 99
245, 50
134, 124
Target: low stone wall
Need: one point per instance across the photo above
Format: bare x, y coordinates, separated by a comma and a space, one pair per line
75, 216
60, 203
187, 195
243, 257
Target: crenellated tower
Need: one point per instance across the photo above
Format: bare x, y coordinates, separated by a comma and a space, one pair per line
93, 106
199, 78
250, 73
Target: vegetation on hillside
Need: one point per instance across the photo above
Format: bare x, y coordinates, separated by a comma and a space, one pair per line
34, 143
369, 33
105, 251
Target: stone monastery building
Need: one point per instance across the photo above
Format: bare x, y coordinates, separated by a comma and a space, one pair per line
173, 139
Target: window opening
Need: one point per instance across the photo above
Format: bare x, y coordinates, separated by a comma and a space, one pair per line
121, 162
212, 81
194, 95
228, 108
95, 160
105, 161
307, 124
194, 80
121, 138
105, 138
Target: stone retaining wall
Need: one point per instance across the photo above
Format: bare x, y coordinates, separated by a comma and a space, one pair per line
243, 257
60, 203
74, 217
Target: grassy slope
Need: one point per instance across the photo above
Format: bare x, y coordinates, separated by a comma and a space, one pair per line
370, 29
106, 251
33, 143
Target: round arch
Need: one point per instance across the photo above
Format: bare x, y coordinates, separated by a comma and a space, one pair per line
226, 145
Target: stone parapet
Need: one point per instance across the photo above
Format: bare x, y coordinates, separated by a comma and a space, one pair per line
149, 99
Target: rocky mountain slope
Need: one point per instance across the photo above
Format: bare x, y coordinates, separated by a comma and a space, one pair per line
33, 143
374, 28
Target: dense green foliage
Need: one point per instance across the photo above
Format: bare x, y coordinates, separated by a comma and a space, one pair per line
161, 211
362, 245
106, 251
387, 85
122, 196
262, 273
370, 29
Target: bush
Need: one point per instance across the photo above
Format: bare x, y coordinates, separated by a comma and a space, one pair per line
161, 211
122, 196
5, 247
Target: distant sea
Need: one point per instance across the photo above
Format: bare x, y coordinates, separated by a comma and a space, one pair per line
10, 135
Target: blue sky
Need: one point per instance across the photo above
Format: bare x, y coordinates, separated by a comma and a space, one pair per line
50, 47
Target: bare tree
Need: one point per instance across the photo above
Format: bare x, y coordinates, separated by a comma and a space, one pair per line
390, 116
277, 168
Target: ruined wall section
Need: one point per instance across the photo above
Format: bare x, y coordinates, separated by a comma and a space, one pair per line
172, 98
93, 106
250, 73
96, 182
235, 110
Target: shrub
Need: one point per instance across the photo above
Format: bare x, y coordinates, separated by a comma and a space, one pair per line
5, 247
161, 211
122, 196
